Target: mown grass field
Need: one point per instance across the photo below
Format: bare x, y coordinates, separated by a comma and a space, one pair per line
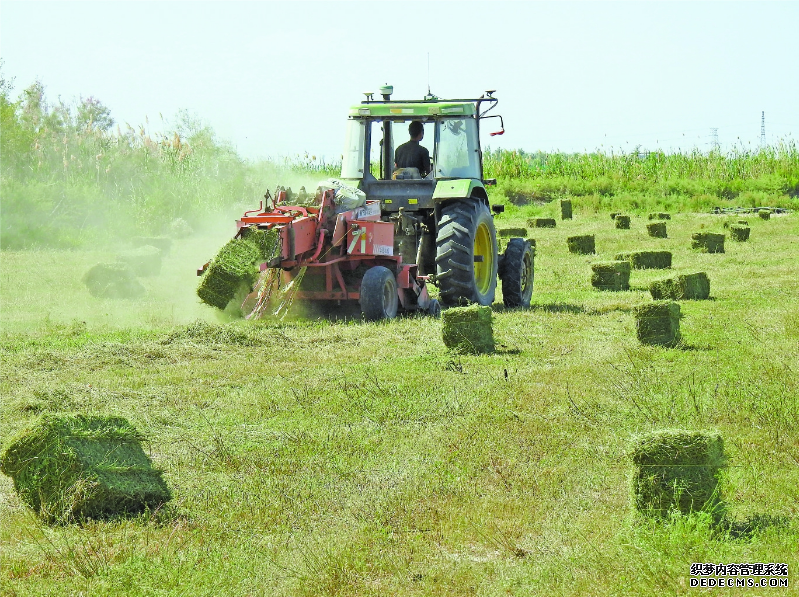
309, 457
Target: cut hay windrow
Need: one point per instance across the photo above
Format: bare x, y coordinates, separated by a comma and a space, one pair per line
683, 287
656, 230
565, 209
622, 222
113, 281
512, 232
144, 260
541, 222
739, 233
764, 214
659, 216
581, 245
161, 242
468, 329
75, 467
658, 323
236, 266
708, 242
612, 275
646, 259
677, 470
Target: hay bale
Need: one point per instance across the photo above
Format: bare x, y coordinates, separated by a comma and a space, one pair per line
565, 209
180, 228
622, 222
658, 323
611, 275
541, 222
144, 261
512, 232
677, 469
160, 242
659, 216
764, 214
646, 259
581, 245
656, 229
739, 233
684, 287
113, 281
743, 222
708, 242
236, 266
468, 329
75, 467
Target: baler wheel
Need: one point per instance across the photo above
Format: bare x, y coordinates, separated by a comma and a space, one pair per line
379, 299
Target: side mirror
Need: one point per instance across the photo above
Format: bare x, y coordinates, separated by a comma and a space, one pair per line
490, 182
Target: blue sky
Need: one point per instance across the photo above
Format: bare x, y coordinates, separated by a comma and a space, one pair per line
277, 78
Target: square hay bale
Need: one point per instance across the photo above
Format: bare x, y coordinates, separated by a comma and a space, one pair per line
684, 287
144, 260
646, 259
764, 214
113, 281
512, 232
611, 275
677, 469
622, 222
581, 245
656, 229
541, 222
236, 266
739, 233
659, 216
468, 329
69, 467
707, 242
162, 242
565, 209
658, 323
180, 228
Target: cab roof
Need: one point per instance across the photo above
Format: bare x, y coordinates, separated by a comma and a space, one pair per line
411, 109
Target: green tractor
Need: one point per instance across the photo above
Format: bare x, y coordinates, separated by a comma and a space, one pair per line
443, 219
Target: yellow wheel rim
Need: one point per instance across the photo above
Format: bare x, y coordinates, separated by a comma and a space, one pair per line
484, 267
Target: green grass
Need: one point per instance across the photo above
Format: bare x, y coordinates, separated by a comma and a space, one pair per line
308, 457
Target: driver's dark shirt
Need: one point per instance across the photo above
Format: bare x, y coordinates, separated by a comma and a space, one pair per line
413, 155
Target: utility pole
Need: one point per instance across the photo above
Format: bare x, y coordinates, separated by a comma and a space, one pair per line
763, 128
714, 136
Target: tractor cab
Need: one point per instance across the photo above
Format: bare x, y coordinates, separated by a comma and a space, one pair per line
375, 129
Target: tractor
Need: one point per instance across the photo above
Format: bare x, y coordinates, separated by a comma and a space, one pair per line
443, 221
380, 234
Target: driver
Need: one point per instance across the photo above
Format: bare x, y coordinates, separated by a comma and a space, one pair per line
411, 154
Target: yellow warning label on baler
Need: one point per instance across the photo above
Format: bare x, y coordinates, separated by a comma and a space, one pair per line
413, 201
388, 201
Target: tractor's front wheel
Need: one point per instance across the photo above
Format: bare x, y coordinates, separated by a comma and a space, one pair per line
379, 298
466, 254
516, 273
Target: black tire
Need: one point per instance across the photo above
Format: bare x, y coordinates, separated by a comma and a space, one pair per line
517, 272
434, 309
466, 254
379, 299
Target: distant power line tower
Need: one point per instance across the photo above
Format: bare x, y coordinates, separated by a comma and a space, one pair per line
714, 138
763, 128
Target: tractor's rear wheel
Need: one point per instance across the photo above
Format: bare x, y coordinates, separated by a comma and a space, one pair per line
466, 254
379, 298
516, 273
